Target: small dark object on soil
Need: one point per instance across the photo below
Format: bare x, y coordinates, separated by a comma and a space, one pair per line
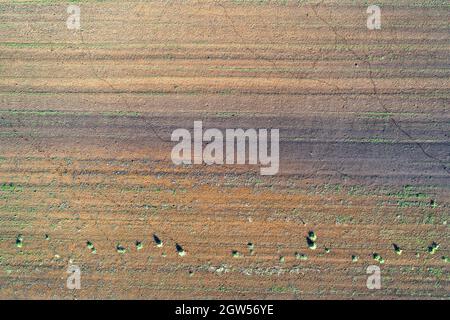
180, 250
157, 240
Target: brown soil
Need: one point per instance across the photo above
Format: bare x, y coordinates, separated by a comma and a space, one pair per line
85, 124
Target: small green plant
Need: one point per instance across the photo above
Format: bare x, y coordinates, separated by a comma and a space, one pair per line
19, 241
378, 258
139, 245
355, 258
251, 248
312, 236
445, 259
158, 241
47, 237
235, 254
282, 259
90, 246
121, 249
311, 244
397, 249
301, 256
180, 250
433, 248
8, 187
311, 240
277, 289
327, 250
433, 204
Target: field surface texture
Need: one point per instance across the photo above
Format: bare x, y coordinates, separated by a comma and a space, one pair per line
87, 180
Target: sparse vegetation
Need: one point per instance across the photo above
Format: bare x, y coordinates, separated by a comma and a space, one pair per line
344, 220
158, 241
311, 240
86, 160
277, 289
301, 256
90, 246
9, 187
378, 258
180, 250
251, 248
235, 254
397, 249
312, 236
433, 248
311, 244
19, 241
121, 249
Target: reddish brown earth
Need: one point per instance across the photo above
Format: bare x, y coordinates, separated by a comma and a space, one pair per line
85, 124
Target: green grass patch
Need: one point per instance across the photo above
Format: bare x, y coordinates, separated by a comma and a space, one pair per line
279, 289
10, 187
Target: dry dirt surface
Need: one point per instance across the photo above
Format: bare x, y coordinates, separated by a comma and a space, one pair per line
85, 169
